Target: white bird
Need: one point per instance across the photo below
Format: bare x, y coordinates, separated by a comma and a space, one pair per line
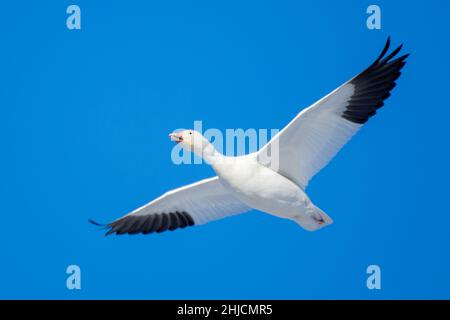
244, 183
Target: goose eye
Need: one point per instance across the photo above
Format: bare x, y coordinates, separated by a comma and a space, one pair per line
190, 132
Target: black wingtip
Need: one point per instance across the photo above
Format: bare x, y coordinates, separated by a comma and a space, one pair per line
392, 55
388, 43
385, 49
96, 223
382, 54
109, 232
405, 56
373, 86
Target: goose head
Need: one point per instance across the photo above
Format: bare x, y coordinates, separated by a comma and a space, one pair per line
190, 140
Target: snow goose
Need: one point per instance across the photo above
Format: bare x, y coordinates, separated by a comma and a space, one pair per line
244, 183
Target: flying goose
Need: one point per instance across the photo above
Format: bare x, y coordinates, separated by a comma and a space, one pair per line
244, 183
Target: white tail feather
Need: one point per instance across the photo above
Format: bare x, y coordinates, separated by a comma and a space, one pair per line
314, 219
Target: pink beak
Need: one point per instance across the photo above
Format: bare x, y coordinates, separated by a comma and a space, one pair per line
176, 137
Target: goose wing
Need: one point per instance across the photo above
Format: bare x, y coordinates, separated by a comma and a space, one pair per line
194, 204
316, 134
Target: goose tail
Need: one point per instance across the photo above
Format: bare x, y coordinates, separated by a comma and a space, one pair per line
314, 219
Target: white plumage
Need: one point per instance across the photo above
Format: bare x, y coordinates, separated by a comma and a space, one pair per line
205, 200
304, 147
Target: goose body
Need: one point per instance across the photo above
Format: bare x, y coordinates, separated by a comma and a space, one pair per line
266, 190
277, 187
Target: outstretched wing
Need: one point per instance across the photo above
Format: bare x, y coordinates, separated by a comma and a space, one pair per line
194, 204
314, 137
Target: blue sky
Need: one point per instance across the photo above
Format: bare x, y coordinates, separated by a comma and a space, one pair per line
85, 118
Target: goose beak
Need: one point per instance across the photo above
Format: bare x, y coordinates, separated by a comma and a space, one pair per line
176, 137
